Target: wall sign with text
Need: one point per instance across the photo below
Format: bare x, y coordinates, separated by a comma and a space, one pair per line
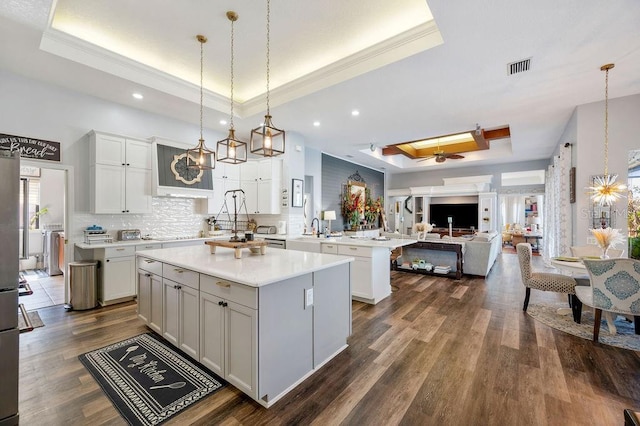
37, 149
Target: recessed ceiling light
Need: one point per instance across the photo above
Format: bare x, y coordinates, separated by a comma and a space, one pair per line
223, 122
355, 112
138, 96
349, 156
316, 123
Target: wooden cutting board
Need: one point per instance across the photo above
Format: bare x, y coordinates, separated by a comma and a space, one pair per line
254, 246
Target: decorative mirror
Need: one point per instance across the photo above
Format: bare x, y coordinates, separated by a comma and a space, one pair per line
353, 200
357, 189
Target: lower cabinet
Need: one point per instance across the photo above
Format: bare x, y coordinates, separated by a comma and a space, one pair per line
150, 300
228, 336
181, 319
118, 279
370, 279
116, 272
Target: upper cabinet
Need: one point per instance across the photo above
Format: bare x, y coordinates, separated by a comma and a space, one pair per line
261, 181
120, 174
226, 177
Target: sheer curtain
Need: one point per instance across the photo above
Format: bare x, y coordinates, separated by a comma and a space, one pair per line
512, 209
557, 210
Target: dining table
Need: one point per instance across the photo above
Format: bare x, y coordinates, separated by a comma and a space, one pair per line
573, 266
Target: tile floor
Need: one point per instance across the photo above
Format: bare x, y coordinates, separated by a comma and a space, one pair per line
47, 291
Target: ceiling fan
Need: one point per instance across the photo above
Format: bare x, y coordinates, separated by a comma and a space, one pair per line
442, 156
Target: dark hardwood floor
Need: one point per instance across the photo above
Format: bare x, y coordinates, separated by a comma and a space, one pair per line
438, 351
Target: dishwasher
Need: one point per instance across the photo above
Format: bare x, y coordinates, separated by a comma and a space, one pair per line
275, 243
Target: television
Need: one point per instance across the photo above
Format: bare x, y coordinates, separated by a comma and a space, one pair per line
464, 215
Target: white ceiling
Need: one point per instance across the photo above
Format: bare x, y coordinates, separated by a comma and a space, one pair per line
412, 70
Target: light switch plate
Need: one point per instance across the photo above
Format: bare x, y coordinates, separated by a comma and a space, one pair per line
308, 297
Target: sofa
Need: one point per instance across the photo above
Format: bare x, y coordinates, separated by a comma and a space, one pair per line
479, 253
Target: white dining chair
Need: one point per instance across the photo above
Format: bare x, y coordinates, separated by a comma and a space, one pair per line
594, 251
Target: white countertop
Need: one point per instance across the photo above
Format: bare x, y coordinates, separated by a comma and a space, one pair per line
142, 242
391, 243
252, 269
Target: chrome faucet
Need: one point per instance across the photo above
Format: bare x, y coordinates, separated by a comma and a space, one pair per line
318, 228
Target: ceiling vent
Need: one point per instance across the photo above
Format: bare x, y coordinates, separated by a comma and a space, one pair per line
519, 66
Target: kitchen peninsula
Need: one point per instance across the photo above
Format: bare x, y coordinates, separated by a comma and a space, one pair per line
264, 322
370, 272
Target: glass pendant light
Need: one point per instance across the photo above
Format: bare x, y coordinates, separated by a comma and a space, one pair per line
267, 140
232, 150
201, 157
605, 190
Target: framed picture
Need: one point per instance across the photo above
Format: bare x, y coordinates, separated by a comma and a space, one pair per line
296, 192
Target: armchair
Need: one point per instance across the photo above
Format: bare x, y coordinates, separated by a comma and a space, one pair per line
615, 287
546, 281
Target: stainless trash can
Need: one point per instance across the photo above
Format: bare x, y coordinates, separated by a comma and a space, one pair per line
83, 285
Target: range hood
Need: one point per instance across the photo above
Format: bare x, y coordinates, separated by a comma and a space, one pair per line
170, 176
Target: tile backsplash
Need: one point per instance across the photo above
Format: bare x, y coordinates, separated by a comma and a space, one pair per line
172, 217
169, 217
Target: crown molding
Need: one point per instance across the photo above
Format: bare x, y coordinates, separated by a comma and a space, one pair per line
74, 49
403, 45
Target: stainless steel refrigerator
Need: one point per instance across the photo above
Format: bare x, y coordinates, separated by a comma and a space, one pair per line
9, 280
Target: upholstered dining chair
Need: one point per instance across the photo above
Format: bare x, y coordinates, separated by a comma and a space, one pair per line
517, 238
615, 287
594, 251
546, 281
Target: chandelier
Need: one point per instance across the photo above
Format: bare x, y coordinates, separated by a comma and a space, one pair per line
201, 157
267, 140
232, 150
605, 190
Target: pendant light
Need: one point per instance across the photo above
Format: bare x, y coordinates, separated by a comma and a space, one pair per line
267, 140
201, 157
232, 150
605, 190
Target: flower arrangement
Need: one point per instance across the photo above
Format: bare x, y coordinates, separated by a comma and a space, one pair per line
372, 208
352, 206
423, 227
607, 237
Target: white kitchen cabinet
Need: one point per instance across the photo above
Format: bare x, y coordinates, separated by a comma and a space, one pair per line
329, 248
225, 177
228, 332
370, 280
117, 281
120, 174
261, 181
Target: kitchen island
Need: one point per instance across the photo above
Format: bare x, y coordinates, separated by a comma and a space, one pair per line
264, 322
371, 270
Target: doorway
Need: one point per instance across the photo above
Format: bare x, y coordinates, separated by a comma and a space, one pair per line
47, 198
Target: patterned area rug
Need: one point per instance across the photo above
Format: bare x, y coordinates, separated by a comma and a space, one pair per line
548, 314
148, 380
